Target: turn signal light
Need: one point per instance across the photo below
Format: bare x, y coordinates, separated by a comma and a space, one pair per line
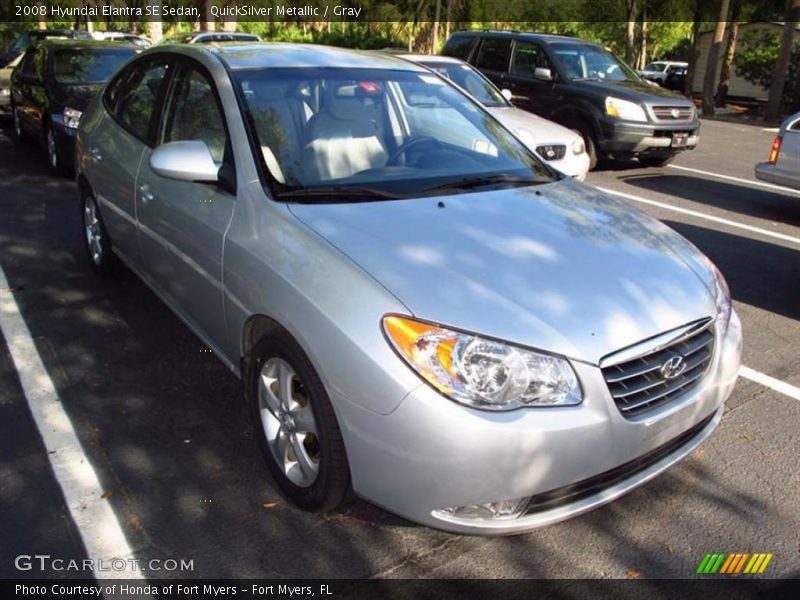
775, 150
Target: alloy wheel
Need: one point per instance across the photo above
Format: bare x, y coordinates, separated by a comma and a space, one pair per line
288, 422
94, 234
17, 123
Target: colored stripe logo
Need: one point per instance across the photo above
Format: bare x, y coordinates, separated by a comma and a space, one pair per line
734, 563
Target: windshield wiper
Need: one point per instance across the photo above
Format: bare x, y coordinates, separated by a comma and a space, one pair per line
469, 183
339, 191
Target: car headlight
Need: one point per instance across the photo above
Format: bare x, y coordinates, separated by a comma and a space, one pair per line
5, 91
723, 298
480, 372
72, 118
622, 109
578, 147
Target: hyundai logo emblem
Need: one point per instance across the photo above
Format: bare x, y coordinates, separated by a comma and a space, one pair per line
673, 367
675, 113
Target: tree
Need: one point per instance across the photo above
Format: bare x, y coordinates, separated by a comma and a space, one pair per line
630, 37
782, 64
756, 61
691, 71
435, 34
730, 53
710, 80
154, 27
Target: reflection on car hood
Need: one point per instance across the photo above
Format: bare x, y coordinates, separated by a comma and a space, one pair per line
76, 96
637, 92
541, 130
570, 271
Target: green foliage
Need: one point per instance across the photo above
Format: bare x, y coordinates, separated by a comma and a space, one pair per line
756, 60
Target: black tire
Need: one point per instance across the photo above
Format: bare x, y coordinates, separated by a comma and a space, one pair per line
332, 484
55, 158
589, 140
102, 262
656, 161
19, 133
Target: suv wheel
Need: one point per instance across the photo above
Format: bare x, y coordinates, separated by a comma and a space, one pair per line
296, 425
589, 142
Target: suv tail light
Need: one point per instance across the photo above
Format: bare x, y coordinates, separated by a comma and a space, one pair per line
775, 150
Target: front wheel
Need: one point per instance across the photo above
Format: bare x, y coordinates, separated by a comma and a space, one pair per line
55, 157
297, 428
590, 143
656, 161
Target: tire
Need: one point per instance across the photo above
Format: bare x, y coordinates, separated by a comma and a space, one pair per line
656, 161
585, 130
277, 363
19, 133
55, 158
95, 238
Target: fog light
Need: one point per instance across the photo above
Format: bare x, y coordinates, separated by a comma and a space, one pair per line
505, 510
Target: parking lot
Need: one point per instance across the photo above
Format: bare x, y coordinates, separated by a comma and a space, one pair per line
163, 426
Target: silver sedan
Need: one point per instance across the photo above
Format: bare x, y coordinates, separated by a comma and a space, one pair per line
783, 164
420, 308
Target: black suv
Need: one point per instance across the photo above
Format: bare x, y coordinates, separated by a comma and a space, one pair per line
54, 84
583, 86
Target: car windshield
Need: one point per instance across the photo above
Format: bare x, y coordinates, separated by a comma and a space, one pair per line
587, 61
82, 67
469, 79
330, 134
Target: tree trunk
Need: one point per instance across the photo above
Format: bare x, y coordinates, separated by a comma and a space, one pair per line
730, 54
435, 34
42, 22
710, 80
230, 23
643, 48
206, 21
782, 64
630, 35
692, 68
154, 30
448, 12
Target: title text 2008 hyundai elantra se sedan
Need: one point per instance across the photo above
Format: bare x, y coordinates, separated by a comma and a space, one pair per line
420, 309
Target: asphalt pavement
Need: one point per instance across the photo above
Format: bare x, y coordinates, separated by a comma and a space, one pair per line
163, 424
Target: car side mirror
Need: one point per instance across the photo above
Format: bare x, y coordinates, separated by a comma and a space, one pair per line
506, 93
185, 161
543, 73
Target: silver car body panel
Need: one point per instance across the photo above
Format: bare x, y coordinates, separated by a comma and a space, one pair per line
566, 270
786, 171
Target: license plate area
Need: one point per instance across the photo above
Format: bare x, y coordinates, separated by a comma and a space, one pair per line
679, 140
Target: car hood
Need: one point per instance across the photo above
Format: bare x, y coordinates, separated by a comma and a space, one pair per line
558, 267
636, 92
541, 130
76, 96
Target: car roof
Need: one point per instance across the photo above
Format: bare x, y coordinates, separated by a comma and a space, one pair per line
522, 35
428, 58
81, 44
270, 55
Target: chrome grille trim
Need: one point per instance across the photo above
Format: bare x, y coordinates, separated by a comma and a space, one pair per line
633, 375
664, 113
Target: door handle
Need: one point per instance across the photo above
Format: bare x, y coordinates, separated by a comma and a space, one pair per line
144, 194
95, 155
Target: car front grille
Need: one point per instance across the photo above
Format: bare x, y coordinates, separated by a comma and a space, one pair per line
552, 151
646, 382
672, 113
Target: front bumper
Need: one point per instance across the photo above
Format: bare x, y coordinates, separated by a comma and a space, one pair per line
619, 137
430, 453
572, 165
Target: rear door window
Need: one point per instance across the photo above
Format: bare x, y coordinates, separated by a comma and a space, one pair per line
133, 96
493, 54
527, 58
460, 47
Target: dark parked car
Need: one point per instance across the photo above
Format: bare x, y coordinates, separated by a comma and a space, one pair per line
675, 78
53, 85
28, 38
585, 87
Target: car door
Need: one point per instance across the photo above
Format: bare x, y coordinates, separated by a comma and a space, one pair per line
789, 157
530, 90
29, 94
116, 146
183, 224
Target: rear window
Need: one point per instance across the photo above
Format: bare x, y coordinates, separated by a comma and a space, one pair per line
71, 67
493, 54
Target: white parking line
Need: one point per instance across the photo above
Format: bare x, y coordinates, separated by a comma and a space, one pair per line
763, 184
96, 522
770, 382
700, 215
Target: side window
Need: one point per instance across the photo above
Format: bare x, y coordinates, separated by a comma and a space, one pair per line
459, 47
527, 58
493, 54
795, 126
133, 98
194, 114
